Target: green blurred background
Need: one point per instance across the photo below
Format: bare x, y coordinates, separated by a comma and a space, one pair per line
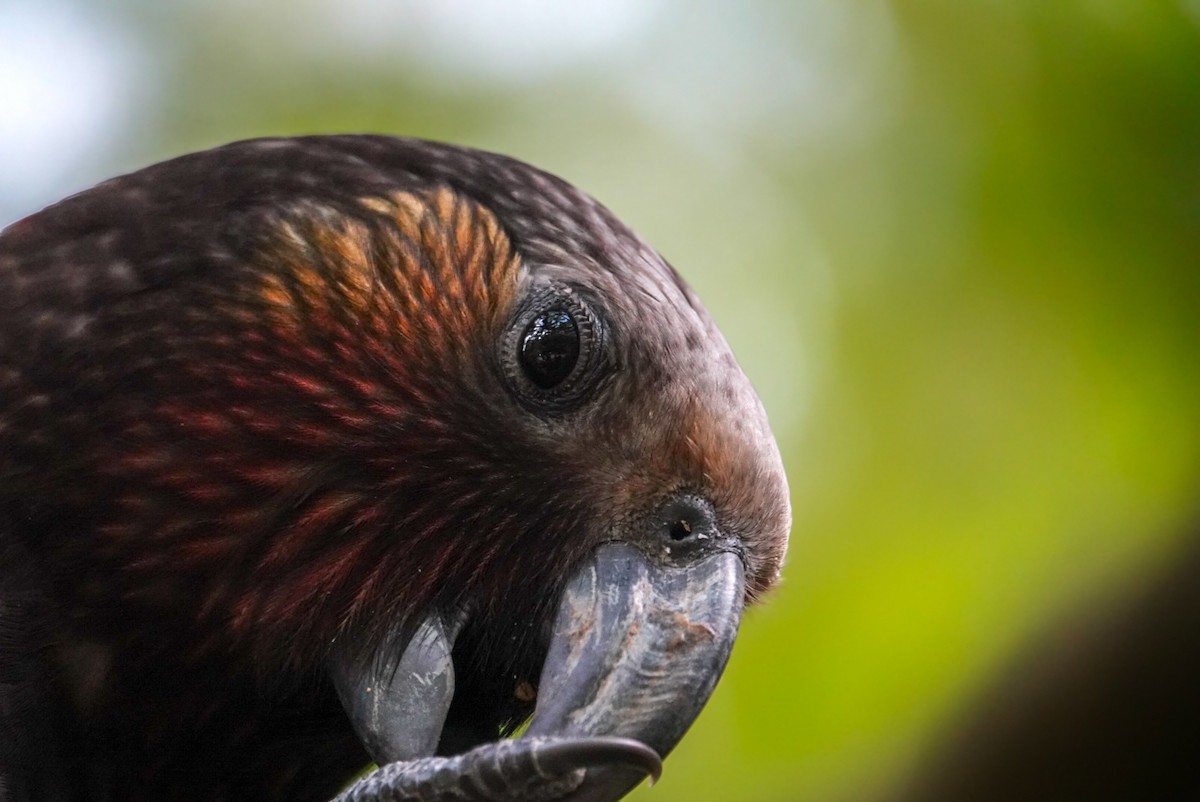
954, 244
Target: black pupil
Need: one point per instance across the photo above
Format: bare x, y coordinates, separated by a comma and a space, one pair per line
550, 348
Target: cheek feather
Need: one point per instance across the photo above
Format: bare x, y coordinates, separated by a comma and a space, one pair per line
432, 273
270, 469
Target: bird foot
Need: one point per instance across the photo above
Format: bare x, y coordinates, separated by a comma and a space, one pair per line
528, 769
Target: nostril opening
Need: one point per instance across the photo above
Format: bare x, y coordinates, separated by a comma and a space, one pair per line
681, 529
684, 520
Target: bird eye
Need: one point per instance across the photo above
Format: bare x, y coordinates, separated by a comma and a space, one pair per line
550, 348
553, 353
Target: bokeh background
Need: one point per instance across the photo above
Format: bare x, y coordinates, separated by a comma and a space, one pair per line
954, 244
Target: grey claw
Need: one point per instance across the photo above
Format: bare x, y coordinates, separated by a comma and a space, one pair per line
561, 755
532, 769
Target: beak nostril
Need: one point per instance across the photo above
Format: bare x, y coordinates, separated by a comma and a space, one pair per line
681, 529
685, 519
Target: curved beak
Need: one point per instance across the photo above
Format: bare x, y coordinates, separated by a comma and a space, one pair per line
637, 647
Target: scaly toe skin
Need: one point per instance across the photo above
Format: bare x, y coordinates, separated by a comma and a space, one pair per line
533, 769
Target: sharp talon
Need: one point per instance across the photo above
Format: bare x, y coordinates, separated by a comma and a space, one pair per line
532, 769
567, 755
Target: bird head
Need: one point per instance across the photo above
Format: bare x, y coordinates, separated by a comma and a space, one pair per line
356, 404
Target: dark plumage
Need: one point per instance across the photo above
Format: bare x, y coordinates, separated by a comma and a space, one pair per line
268, 401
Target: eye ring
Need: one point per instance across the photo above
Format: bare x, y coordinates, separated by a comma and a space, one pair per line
552, 351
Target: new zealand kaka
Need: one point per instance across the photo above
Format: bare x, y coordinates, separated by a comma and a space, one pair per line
321, 450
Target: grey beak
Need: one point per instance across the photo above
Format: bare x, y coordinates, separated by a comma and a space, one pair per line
637, 648
398, 707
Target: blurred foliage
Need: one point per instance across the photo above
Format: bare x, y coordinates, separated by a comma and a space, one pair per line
953, 243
